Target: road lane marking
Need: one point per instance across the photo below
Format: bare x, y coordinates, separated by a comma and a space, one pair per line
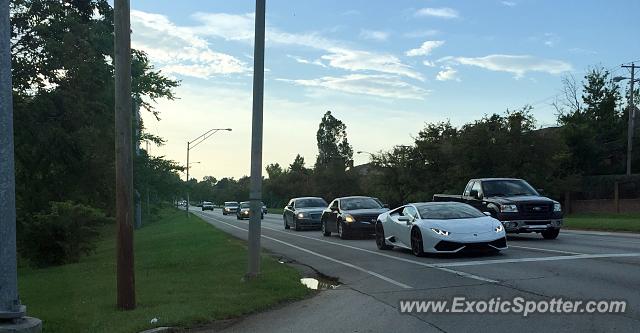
380, 276
542, 249
462, 274
507, 261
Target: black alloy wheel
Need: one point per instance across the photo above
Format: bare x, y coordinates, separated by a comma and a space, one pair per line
417, 247
380, 241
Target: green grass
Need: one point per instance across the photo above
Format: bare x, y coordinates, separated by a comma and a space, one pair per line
277, 211
604, 222
187, 273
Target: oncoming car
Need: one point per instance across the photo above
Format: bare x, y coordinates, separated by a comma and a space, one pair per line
303, 212
244, 211
230, 207
206, 205
439, 227
351, 215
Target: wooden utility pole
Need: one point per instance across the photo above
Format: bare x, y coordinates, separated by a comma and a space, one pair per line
124, 156
632, 116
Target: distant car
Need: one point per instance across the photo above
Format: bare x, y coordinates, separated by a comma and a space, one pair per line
244, 211
439, 227
303, 213
206, 205
350, 215
230, 207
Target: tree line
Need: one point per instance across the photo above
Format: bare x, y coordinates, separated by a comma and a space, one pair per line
590, 139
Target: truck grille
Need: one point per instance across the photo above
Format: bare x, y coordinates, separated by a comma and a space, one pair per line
535, 211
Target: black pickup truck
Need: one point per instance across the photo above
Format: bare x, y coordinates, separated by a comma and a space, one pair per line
514, 202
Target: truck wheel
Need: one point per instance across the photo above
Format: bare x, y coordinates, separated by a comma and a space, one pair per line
550, 234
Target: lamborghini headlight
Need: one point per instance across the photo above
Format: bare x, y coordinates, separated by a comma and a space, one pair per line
349, 219
440, 232
509, 208
499, 228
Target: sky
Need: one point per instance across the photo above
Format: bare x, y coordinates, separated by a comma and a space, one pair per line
385, 68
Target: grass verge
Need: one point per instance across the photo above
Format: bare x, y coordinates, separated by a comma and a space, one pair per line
187, 273
604, 222
276, 211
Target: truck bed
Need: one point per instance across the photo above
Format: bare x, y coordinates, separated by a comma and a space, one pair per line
448, 198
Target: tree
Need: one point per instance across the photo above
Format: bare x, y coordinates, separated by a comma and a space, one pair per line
333, 146
298, 164
594, 129
63, 93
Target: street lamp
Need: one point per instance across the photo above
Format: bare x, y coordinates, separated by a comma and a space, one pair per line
632, 116
192, 144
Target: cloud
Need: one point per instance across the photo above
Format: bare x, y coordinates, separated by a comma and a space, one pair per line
375, 85
444, 12
300, 60
178, 50
238, 27
429, 63
374, 35
356, 60
351, 12
508, 3
447, 74
516, 64
425, 48
337, 54
186, 50
551, 39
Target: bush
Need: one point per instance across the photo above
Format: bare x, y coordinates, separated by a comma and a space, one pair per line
63, 234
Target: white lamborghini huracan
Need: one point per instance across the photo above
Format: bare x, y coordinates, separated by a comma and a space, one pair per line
439, 227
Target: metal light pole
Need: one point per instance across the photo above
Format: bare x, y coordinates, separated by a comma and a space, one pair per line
632, 113
255, 194
124, 156
9, 303
12, 312
192, 144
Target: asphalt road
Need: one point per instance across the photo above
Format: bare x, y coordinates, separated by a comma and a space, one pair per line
576, 266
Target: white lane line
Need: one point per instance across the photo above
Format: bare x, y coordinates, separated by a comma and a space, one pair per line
541, 249
382, 277
463, 274
507, 261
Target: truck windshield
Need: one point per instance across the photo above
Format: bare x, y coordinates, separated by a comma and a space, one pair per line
507, 188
